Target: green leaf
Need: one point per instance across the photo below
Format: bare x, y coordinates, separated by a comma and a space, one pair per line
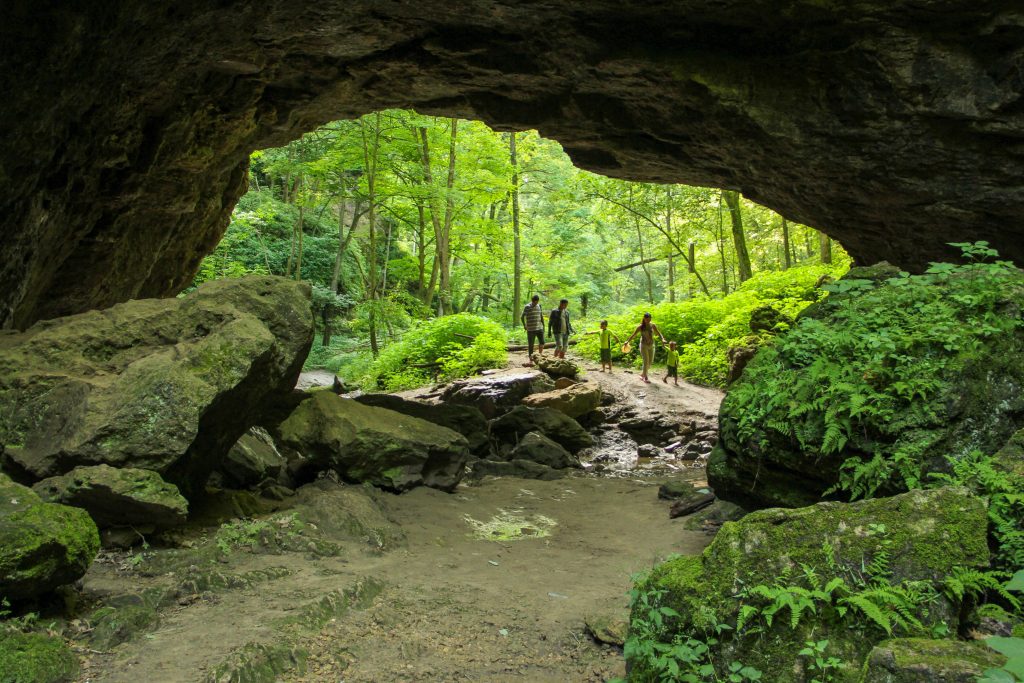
1017, 582
1013, 648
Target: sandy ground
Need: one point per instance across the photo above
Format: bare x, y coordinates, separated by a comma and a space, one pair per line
456, 604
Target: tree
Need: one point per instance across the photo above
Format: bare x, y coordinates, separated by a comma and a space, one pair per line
732, 200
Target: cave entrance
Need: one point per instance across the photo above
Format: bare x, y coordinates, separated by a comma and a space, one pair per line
398, 217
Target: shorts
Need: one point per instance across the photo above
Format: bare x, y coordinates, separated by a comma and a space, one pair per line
606, 356
673, 370
561, 341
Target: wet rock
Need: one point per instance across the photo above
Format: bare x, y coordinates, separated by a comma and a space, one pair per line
920, 660
367, 444
494, 396
691, 504
575, 401
464, 419
650, 427
35, 658
253, 458
556, 367
42, 545
674, 490
161, 384
538, 448
523, 469
521, 420
646, 450
923, 534
564, 382
118, 496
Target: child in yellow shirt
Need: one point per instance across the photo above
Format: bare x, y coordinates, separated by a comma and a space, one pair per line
606, 344
672, 363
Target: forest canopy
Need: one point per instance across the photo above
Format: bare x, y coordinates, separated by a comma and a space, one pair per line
396, 218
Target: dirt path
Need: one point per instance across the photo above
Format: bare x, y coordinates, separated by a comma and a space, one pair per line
452, 599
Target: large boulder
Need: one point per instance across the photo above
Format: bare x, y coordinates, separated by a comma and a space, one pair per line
922, 660
916, 536
556, 367
161, 384
575, 401
253, 459
118, 496
464, 419
35, 658
495, 395
42, 545
875, 387
538, 448
559, 427
376, 445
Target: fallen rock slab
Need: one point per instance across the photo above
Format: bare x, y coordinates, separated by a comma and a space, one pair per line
496, 395
367, 444
161, 384
42, 545
556, 367
575, 400
118, 496
464, 419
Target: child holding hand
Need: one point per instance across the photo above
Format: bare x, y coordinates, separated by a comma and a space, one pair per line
606, 344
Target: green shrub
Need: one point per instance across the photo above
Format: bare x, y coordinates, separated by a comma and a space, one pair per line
454, 346
706, 329
874, 376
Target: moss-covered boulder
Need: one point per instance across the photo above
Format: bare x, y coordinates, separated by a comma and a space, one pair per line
877, 386
511, 427
923, 660
366, 444
118, 496
35, 658
161, 384
42, 545
464, 419
850, 553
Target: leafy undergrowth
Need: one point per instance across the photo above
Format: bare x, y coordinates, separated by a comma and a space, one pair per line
706, 329
448, 347
884, 372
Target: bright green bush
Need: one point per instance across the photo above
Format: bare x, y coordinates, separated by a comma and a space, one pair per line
437, 341
705, 329
890, 375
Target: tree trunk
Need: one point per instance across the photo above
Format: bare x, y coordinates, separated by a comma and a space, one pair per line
671, 259
825, 243
692, 268
326, 339
370, 164
517, 258
786, 263
444, 249
721, 248
301, 232
340, 253
732, 199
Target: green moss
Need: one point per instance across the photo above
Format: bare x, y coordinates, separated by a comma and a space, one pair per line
923, 660
918, 536
42, 545
35, 658
113, 626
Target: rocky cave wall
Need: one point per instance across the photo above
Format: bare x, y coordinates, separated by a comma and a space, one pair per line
894, 125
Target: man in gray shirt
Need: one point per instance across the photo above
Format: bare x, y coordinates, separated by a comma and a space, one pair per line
533, 321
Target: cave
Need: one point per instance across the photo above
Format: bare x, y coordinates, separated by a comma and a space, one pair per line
894, 127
